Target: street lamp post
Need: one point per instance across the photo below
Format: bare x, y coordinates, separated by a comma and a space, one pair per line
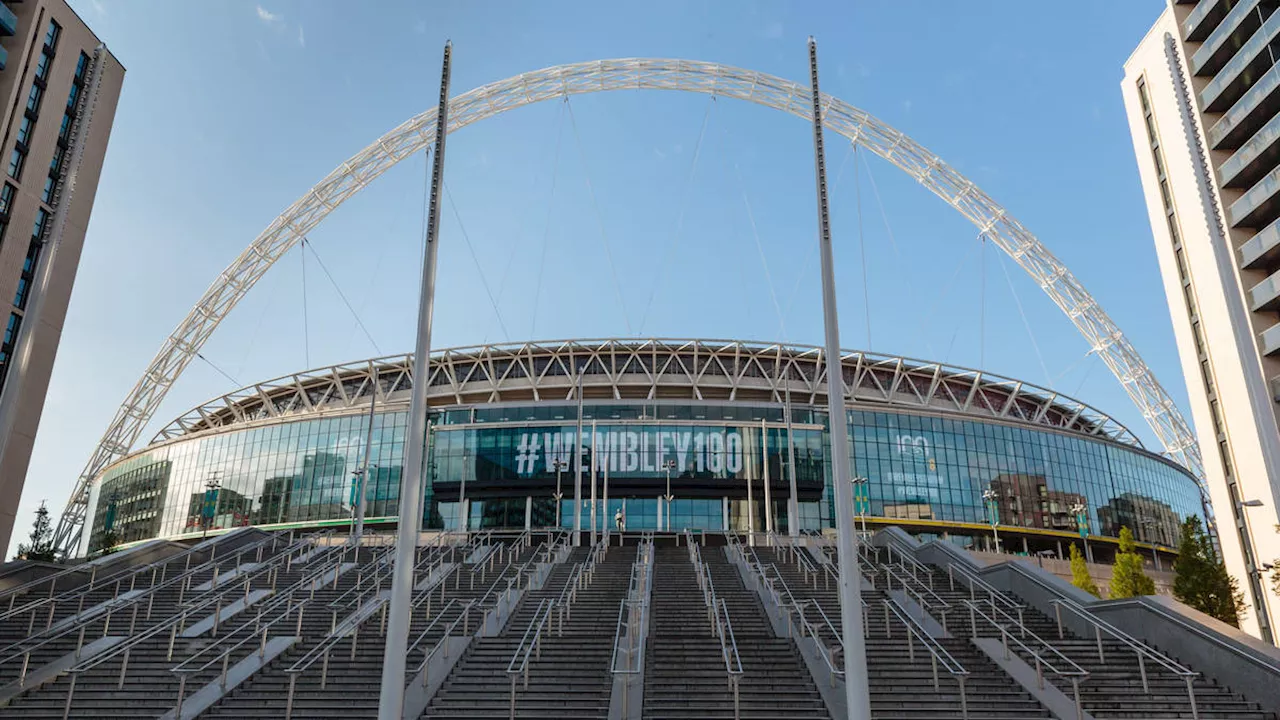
212, 485
860, 497
667, 466
1082, 526
1155, 556
1255, 569
560, 466
464, 512
993, 516
359, 477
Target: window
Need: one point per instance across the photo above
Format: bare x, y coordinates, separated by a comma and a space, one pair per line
55, 165
28, 274
6, 198
72, 97
37, 230
64, 131
49, 185
16, 161
51, 37
24, 130
81, 66
43, 65
34, 98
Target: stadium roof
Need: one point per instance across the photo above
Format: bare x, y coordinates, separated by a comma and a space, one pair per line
649, 370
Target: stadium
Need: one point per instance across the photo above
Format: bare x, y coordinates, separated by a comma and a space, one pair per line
936, 449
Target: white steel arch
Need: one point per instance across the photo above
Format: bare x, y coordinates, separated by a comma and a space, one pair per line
416, 134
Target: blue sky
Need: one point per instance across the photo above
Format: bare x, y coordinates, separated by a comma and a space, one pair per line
232, 110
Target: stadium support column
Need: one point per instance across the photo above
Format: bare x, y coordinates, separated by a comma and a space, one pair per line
793, 502
363, 480
391, 698
857, 694
577, 469
764, 464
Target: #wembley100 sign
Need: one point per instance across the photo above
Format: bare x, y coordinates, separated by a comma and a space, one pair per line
638, 452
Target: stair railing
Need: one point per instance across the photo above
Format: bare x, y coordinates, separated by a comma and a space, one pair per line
938, 654
530, 645
1143, 651
322, 651
723, 629
173, 625
976, 583
1046, 656
568, 595
630, 632
928, 600
831, 643
187, 668
22, 649
908, 562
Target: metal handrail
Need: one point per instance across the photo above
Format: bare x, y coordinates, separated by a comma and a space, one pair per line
530, 644
976, 582
907, 560
807, 629
723, 629
324, 646
23, 648
637, 602
1139, 648
464, 610
1073, 672
131, 574
937, 651
928, 600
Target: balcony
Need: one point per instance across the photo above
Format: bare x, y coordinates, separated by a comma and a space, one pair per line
1262, 250
1271, 340
1231, 33
1266, 294
1240, 73
1259, 206
1254, 108
1204, 19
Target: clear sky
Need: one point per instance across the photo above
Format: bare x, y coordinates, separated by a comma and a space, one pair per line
231, 110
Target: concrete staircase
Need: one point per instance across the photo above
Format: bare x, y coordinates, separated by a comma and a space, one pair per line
685, 673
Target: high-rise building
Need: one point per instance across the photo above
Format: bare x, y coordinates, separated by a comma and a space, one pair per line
1202, 92
58, 87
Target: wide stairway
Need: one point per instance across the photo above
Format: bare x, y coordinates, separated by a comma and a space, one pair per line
568, 670
685, 673
901, 676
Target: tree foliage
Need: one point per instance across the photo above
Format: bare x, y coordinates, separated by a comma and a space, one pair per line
1127, 577
1080, 573
41, 545
1201, 579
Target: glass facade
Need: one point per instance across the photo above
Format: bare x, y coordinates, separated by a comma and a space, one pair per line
717, 455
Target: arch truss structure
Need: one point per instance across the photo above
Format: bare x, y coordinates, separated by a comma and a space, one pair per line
418, 133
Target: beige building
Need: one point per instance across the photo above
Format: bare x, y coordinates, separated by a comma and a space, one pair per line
59, 86
1202, 93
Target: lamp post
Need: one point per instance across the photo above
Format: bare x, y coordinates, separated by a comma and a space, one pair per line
1082, 526
861, 499
358, 478
667, 466
1155, 556
1255, 570
992, 498
560, 466
212, 485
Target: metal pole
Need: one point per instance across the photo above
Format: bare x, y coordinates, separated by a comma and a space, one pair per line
857, 693
593, 483
577, 469
764, 459
606, 519
464, 512
391, 698
358, 532
793, 503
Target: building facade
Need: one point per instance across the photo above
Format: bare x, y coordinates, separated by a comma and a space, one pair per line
59, 86
1202, 93
713, 423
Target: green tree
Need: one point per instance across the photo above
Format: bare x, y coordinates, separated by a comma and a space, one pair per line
107, 542
1201, 579
41, 546
1080, 573
1127, 576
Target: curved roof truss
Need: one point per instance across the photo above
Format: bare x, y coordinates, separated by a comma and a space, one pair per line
416, 134
658, 369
